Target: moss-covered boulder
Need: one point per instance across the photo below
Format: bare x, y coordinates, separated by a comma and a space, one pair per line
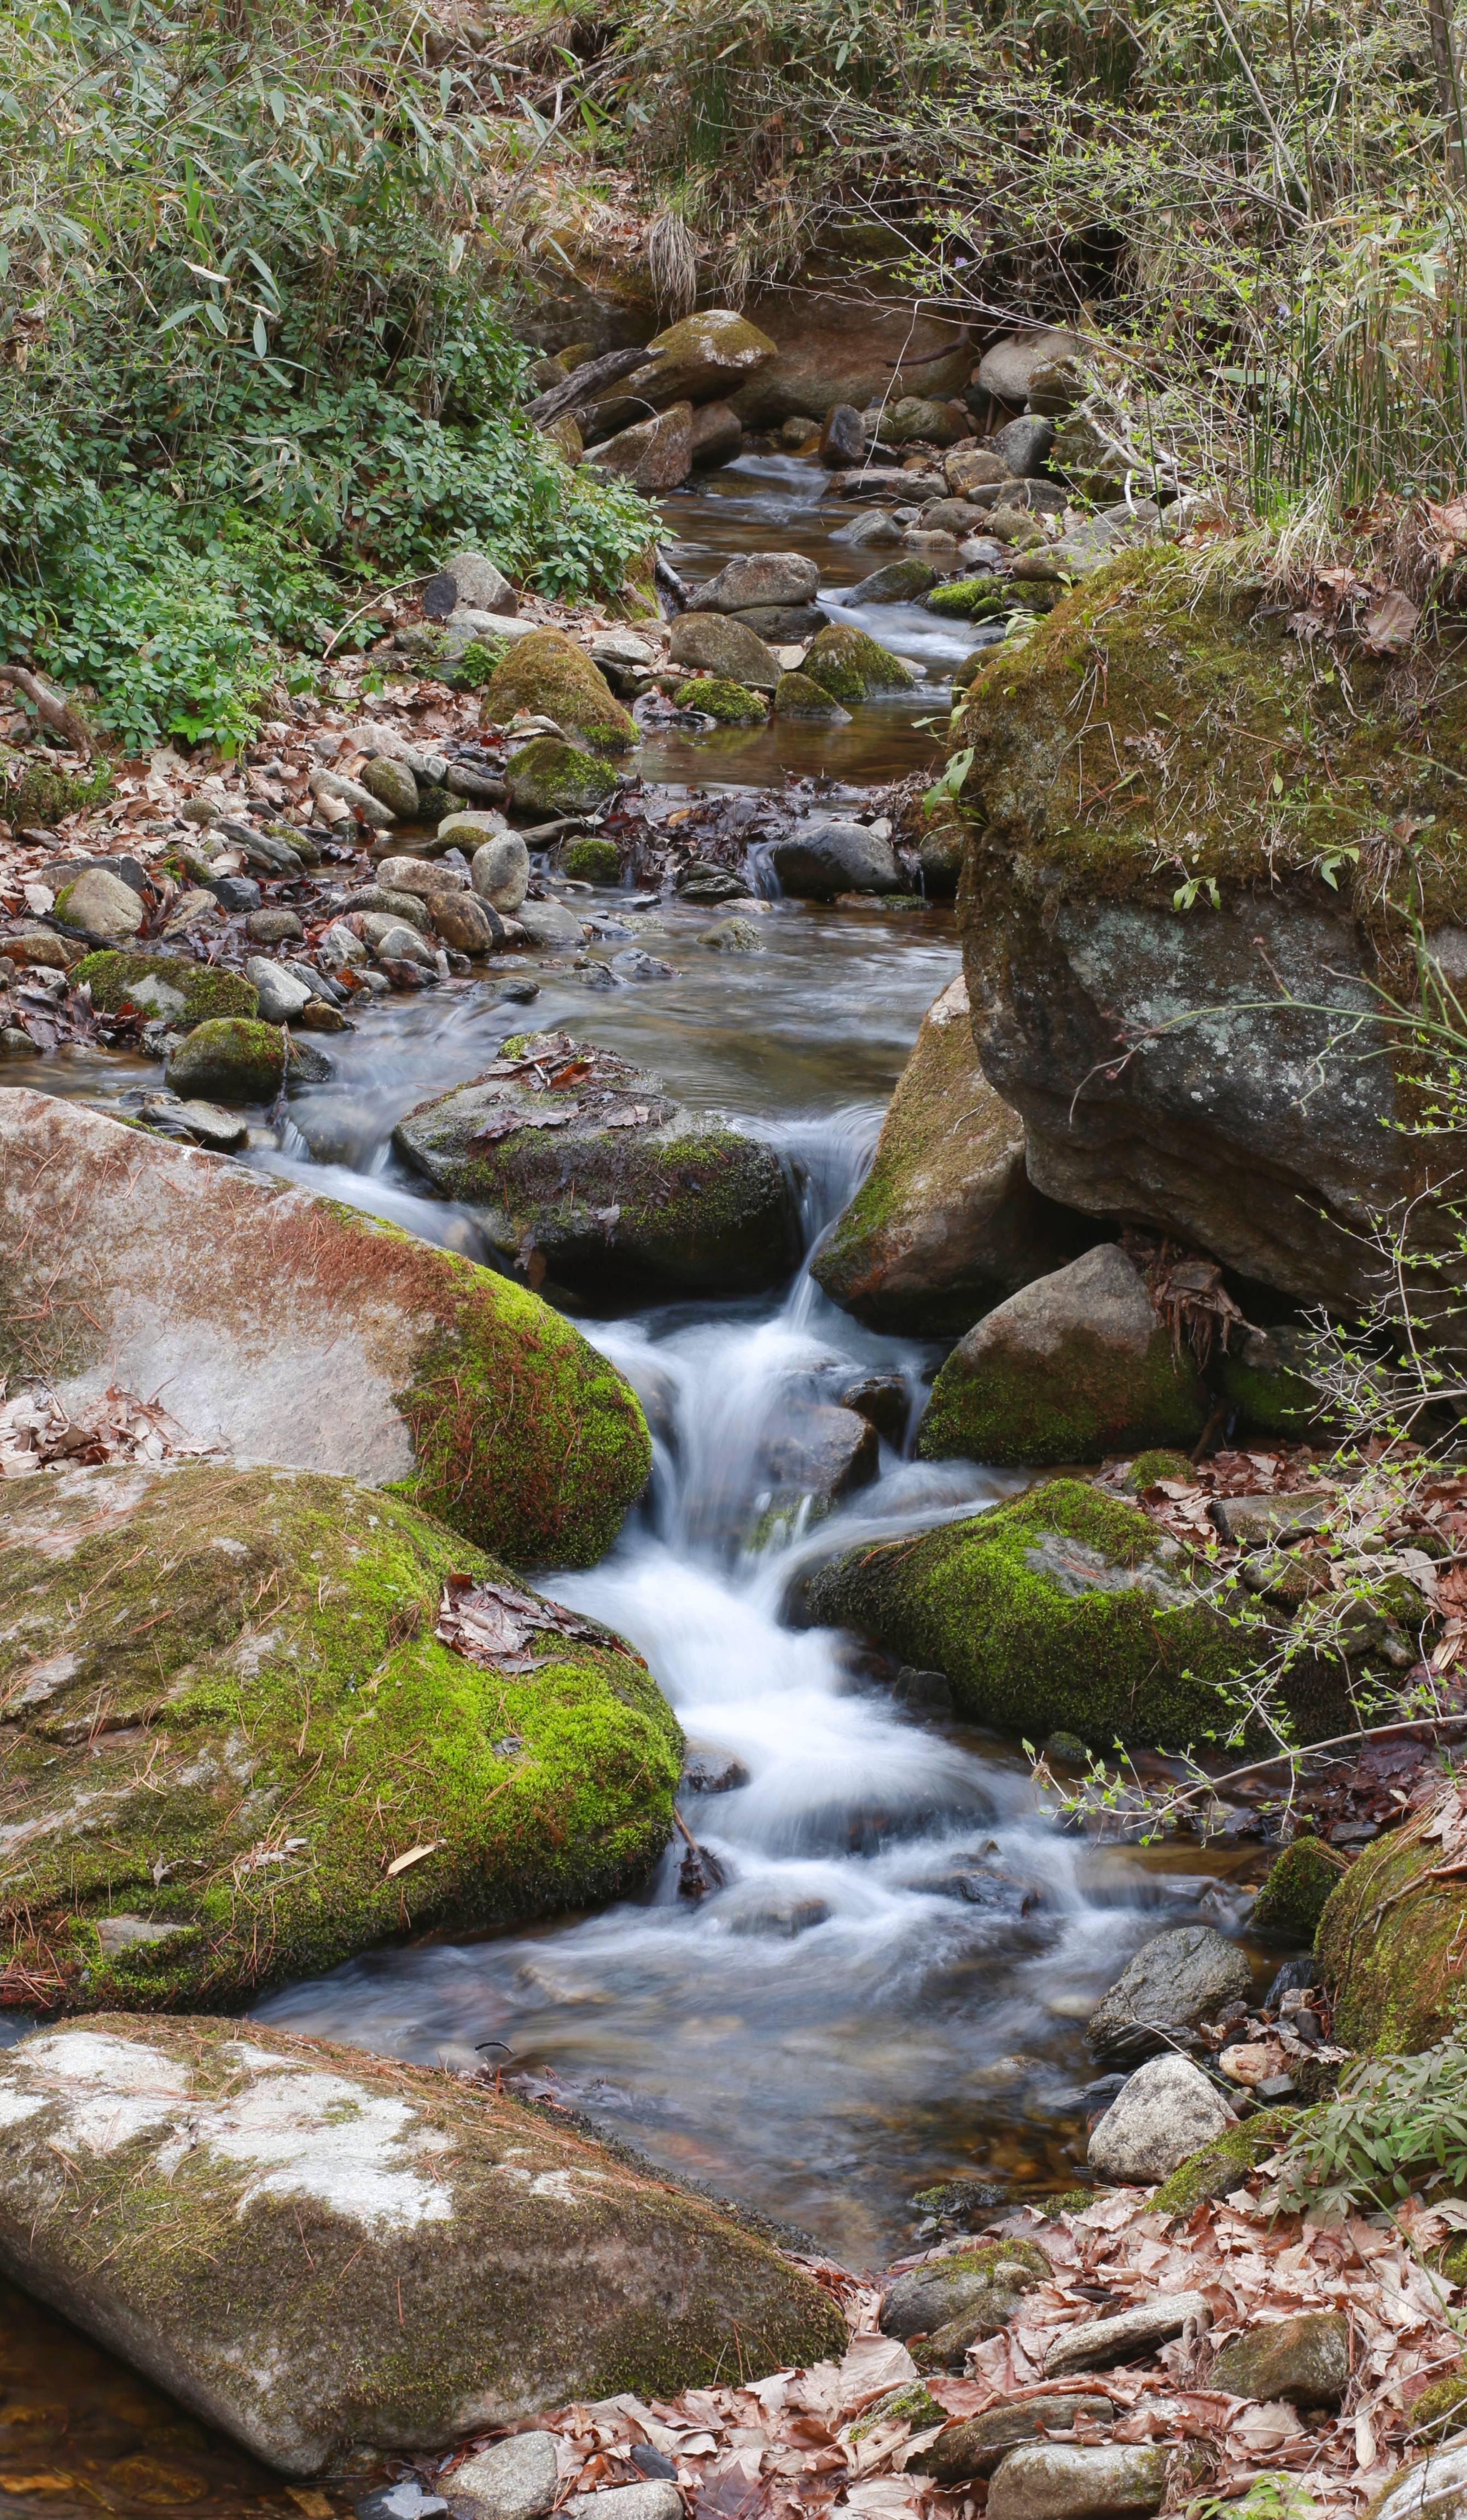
850, 665
1265, 1377
717, 697
1294, 1897
551, 676
315, 2249
286, 1328
580, 1168
1224, 2164
971, 599
1252, 1118
1303, 2361
1392, 1945
975, 2448
798, 695
547, 778
232, 1716
1061, 1609
235, 1059
1072, 1367
591, 861
165, 984
945, 1221
901, 581
702, 358
715, 643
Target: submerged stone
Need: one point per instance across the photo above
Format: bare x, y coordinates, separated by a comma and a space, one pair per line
409, 2259
232, 1718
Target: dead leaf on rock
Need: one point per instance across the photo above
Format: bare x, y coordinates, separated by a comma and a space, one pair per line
496, 1625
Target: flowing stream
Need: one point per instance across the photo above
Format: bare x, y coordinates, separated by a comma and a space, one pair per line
891, 1986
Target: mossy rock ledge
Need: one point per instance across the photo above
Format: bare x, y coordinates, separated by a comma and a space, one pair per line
283, 1327
314, 2249
231, 1715
1392, 1947
583, 1172
1062, 1609
1248, 1119
945, 1221
165, 984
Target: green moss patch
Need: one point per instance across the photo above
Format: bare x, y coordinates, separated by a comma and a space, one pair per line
1392, 1947
112, 979
1057, 1611
592, 861
1219, 2168
717, 697
549, 674
1293, 1899
970, 598
233, 1716
850, 665
33, 792
548, 776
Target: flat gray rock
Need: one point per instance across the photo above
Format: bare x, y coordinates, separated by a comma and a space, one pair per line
1051, 2481
1102, 2344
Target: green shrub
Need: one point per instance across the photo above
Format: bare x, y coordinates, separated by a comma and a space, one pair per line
1396, 2124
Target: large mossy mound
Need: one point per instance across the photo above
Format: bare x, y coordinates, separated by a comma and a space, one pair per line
1060, 1610
1391, 1947
551, 676
1199, 672
231, 1718
202, 994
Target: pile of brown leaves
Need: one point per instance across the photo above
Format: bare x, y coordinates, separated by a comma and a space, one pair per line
497, 1625
784, 2445
36, 1433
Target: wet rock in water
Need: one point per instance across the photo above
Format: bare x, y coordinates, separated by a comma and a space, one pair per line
732, 936
728, 703
1166, 2111
654, 454
512, 2480
973, 468
926, 1692
1061, 1608
205, 1122
781, 626
1064, 2481
169, 985
715, 437
706, 888
709, 1769
549, 922
237, 1722
945, 1221
466, 924
983, 2280
547, 777
578, 1162
1304, 2361
532, 2266
1025, 443
286, 1328
873, 526
829, 858
913, 416
234, 1060
712, 643
548, 674
758, 578
1104, 2344
101, 902
820, 1451
963, 2451
393, 785
902, 581
281, 998
500, 870
797, 696
842, 436
780, 1917
1071, 1366
885, 1401
850, 667
1175, 1981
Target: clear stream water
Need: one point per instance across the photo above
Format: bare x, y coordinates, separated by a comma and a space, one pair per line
836, 2026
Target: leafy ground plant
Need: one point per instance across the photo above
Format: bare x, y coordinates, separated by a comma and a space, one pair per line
1397, 2126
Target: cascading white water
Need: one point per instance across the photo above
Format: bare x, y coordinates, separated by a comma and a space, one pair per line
890, 1982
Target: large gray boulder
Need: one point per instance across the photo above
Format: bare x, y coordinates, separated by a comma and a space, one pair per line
1075, 1366
758, 578
712, 642
1167, 2110
286, 1328
580, 1167
827, 857
944, 1223
1174, 1982
1007, 370
359, 2252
